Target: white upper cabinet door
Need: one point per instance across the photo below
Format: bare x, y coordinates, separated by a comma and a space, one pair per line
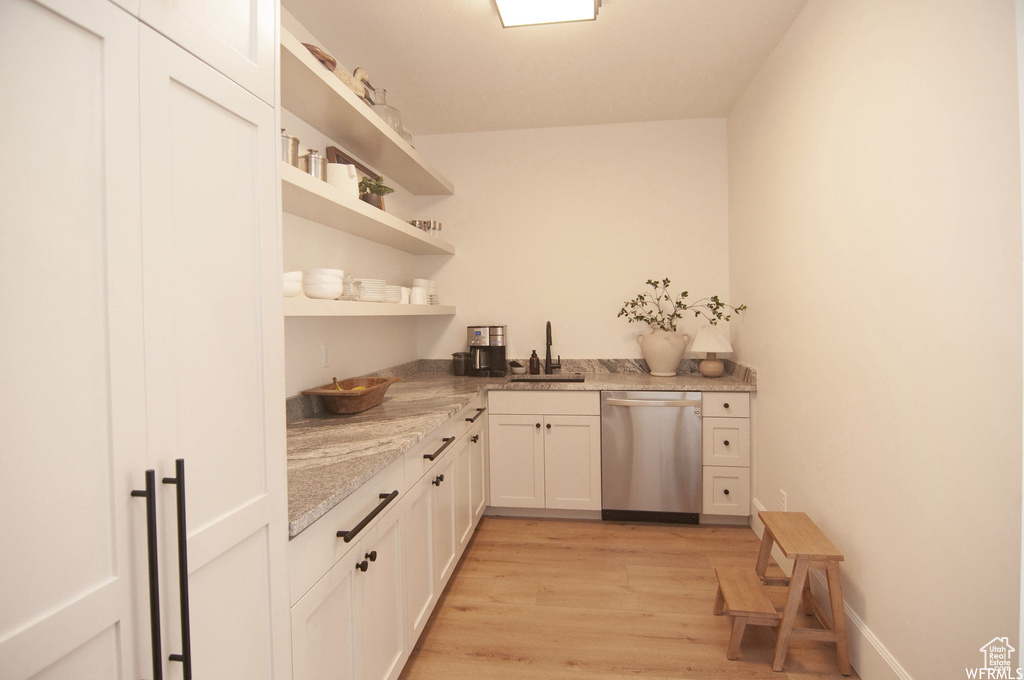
72, 418
214, 356
236, 37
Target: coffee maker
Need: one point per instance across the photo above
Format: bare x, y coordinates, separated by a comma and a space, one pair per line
486, 351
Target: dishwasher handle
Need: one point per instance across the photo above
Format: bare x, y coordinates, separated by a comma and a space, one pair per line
679, 403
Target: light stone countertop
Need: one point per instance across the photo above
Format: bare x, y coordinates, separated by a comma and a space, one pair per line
330, 456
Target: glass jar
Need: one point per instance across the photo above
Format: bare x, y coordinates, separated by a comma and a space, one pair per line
388, 113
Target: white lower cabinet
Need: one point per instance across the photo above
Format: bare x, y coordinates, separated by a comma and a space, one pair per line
726, 453
545, 450
357, 611
350, 624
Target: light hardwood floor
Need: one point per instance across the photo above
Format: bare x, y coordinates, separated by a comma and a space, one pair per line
568, 600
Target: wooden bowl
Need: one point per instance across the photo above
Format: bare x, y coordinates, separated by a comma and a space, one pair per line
348, 400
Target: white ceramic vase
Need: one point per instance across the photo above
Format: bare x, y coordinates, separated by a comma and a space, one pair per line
663, 350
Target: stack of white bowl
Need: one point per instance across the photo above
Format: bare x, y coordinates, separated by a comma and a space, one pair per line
322, 284
392, 293
292, 283
373, 290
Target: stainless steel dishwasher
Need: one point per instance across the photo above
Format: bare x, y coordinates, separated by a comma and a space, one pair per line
651, 456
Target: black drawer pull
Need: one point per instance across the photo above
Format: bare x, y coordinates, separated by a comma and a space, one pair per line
726, 492
362, 566
479, 412
186, 635
372, 555
437, 480
351, 533
475, 438
726, 442
447, 442
725, 405
154, 579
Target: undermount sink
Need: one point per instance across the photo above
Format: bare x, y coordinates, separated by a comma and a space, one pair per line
554, 377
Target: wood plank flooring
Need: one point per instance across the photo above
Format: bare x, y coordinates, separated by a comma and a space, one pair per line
571, 600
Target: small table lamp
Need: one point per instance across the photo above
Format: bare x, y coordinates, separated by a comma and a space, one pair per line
711, 340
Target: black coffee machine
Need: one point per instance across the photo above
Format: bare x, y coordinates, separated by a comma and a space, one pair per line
486, 351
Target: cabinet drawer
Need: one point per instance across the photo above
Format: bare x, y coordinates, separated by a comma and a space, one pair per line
454, 428
726, 441
726, 491
726, 404
544, 403
313, 552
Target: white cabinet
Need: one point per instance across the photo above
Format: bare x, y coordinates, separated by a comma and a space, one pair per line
67, 466
350, 624
161, 289
236, 37
544, 450
446, 541
418, 557
726, 453
478, 470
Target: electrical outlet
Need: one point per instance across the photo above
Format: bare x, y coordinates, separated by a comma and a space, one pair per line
325, 354
782, 498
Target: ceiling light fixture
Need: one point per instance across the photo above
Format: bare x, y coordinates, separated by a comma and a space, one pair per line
530, 12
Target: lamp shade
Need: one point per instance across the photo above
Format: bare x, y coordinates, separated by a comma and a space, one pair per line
711, 339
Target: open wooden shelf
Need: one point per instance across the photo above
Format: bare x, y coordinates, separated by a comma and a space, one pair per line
315, 95
304, 306
316, 200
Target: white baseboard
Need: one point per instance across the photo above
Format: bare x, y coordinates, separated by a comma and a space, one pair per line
868, 656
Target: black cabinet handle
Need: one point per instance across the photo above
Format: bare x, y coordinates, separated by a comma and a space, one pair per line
726, 492
538, 426
475, 438
362, 566
725, 405
548, 426
437, 480
479, 412
372, 556
154, 581
351, 533
186, 642
447, 442
726, 442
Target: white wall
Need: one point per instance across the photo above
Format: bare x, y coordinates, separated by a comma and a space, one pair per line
564, 224
875, 231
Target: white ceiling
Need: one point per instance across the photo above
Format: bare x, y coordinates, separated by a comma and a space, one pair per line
449, 66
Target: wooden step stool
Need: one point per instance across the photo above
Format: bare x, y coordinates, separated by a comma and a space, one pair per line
742, 596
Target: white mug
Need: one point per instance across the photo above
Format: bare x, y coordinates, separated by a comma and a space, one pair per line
344, 177
418, 296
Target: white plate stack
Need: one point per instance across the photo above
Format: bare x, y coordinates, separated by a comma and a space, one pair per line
392, 293
373, 290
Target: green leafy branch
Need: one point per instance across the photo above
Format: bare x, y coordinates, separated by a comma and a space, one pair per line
368, 185
659, 309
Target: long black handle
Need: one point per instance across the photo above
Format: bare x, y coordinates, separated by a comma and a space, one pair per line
351, 533
447, 442
186, 643
154, 580
479, 412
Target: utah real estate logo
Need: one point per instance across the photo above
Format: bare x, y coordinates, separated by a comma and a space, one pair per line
997, 662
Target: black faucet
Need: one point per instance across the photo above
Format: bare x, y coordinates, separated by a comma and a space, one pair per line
551, 366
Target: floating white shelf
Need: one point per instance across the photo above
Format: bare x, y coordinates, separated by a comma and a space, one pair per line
304, 306
316, 200
315, 95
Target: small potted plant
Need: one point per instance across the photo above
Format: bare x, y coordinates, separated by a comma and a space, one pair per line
373, 191
663, 348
